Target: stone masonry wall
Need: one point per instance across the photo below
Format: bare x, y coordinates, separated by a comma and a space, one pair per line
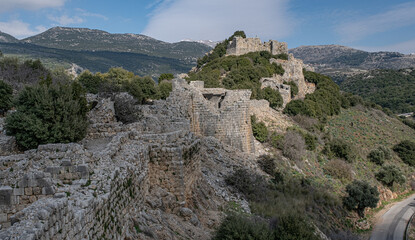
220, 113
92, 189
240, 46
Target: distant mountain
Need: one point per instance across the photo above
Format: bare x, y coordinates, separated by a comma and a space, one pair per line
340, 61
84, 39
210, 43
98, 61
4, 37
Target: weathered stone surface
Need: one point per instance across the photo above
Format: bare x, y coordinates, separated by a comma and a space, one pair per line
240, 46
6, 195
216, 112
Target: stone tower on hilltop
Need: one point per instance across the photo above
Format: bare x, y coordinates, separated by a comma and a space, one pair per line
240, 46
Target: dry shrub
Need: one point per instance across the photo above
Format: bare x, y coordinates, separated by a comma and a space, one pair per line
294, 146
339, 169
267, 164
306, 122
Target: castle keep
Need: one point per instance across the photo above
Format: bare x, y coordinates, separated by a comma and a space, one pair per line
240, 46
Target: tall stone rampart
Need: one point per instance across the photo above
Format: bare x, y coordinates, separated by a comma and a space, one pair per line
216, 112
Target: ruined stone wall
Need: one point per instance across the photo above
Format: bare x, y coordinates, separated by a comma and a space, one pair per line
277, 84
240, 46
220, 113
92, 189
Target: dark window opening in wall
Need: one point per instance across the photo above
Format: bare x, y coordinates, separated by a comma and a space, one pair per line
216, 99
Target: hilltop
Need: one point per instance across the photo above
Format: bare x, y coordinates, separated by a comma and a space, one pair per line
85, 39
6, 38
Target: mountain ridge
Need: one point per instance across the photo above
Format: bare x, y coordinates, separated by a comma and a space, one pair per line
340, 61
86, 39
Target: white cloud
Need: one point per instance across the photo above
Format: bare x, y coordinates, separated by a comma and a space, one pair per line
64, 20
406, 47
6, 5
90, 14
217, 19
20, 29
400, 16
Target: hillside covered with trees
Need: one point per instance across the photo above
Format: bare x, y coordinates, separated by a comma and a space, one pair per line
392, 89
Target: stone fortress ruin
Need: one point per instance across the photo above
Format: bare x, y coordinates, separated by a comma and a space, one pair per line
293, 67
141, 180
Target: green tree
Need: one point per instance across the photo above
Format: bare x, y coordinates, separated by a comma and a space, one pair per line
164, 89
377, 156
238, 227
166, 76
293, 227
53, 113
360, 195
259, 129
389, 175
339, 148
91, 82
273, 97
6, 94
148, 87
406, 151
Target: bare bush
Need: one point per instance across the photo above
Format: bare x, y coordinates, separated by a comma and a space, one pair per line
306, 122
294, 146
339, 169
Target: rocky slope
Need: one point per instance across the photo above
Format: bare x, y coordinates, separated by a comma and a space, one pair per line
4, 37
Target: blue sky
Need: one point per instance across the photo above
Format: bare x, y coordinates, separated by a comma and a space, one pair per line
371, 25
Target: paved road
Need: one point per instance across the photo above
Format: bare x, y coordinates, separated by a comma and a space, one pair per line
393, 223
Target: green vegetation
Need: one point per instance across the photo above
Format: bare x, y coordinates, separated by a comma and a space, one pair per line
6, 95
119, 80
409, 123
259, 129
219, 50
273, 97
166, 76
17, 73
340, 149
390, 174
379, 155
294, 88
388, 88
406, 151
165, 88
238, 72
360, 196
48, 113
325, 101
100, 61
282, 208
